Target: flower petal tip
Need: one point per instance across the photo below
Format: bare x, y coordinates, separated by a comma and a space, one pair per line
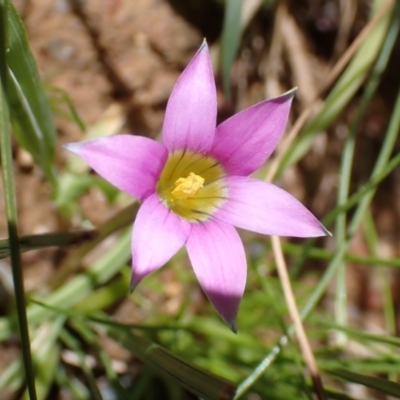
204, 45
73, 147
289, 95
134, 282
292, 91
326, 232
232, 325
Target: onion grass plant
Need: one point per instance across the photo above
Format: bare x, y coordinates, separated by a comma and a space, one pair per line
83, 336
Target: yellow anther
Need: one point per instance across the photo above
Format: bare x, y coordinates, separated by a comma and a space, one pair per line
187, 187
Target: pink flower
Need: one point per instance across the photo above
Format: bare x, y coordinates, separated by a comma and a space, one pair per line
195, 187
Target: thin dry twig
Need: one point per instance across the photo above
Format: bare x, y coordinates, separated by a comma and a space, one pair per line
299, 57
276, 244
348, 11
275, 60
295, 316
332, 76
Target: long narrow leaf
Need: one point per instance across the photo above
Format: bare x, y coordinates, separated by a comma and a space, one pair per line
187, 375
344, 90
34, 242
30, 112
383, 385
10, 205
197, 380
230, 41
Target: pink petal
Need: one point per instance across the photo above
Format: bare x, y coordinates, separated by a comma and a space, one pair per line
191, 113
264, 208
131, 163
243, 142
157, 235
218, 259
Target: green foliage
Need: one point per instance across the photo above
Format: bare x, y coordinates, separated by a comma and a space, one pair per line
30, 112
190, 348
230, 41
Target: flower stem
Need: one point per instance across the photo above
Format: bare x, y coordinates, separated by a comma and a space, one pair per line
295, 316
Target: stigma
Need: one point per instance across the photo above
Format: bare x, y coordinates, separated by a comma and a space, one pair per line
187, 187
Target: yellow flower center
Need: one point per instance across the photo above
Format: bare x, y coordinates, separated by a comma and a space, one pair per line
187, 187
192, 185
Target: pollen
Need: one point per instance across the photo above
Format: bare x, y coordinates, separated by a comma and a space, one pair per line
187, 187
192, 185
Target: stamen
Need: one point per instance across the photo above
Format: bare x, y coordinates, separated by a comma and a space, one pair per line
192, 185
187, 187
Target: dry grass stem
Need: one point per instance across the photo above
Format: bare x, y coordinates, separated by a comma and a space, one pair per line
289, 29
332, 76
296, 319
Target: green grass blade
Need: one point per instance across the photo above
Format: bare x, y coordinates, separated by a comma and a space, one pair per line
58, 100
383, 385
347, 162
317, 253
70, 382
80, 286
381, 163
195, 379
90, 337
230, 41
371, 236
46, 355
121, 220
187, 375
11, 377
71, 342
30, 112
344, 90
370, 185
34, 242
10, 205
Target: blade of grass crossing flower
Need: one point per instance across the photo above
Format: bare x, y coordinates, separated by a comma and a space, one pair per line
10, 204
326, 278
230, 41
31, 116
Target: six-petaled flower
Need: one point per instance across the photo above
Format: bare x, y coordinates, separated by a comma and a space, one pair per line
195, 185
